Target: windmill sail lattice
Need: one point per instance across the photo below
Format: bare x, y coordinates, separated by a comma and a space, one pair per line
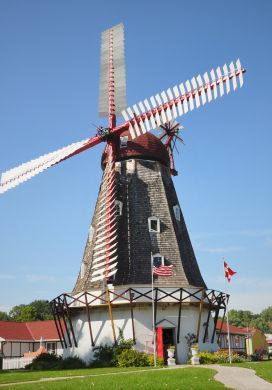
179, 100
112, 86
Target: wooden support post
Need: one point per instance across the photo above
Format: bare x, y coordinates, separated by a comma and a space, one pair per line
70, 322
132, 316
89, 319
65, 325
62, 332
56, 323
222, 321
179, 316
200, 313
207, 324
110, 313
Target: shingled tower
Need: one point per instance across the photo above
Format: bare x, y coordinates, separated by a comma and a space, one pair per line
149, 221
148, 229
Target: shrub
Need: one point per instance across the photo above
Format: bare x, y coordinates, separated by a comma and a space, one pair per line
107, 355
159, 361
72, 362
219, 357
132, 358
45, 361
206, 358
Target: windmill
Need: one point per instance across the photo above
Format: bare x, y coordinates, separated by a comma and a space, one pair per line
137, 215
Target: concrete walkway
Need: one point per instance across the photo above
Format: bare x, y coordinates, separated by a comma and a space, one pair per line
232, 377
239, 378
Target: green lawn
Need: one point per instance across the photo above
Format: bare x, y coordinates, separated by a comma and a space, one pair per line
262, 369
183, 378
23, 376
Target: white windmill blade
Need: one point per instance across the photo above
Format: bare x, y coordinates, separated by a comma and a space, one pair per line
107, 266
214, 85
239, 68
112, 51
103, 276
18, 175
175, 102
227, 81
234, 80
220, 80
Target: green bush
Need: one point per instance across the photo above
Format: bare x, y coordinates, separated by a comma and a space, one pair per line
72, 362
107, 355
219, 357
159, 361
132, 358
206, 358
45, 361
48, 361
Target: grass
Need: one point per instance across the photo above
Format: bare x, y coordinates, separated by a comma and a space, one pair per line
263, 369
183, 378
24, 376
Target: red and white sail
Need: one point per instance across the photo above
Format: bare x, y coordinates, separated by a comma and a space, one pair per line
182, 98
104, 258
18, 175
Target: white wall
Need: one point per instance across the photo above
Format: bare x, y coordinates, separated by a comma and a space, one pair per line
102, 330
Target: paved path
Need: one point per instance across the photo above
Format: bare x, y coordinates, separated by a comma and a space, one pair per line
233, 377
239, 378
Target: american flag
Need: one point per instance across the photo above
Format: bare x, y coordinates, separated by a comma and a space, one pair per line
163, 270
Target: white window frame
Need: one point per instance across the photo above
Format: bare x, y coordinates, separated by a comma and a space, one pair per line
177, 212
119, 207
150, 220
157, 255
123, 141
51, 347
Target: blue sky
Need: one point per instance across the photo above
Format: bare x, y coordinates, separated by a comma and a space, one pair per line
49, 72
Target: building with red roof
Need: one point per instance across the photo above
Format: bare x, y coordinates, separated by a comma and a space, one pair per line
19, 338
248, 340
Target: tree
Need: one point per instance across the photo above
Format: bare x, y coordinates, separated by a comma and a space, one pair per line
4, 316
241, 318
38, 310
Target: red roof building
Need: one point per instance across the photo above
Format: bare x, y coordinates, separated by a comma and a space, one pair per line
18, 338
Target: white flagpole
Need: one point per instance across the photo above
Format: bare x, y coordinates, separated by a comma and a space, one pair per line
153, 315
227, 313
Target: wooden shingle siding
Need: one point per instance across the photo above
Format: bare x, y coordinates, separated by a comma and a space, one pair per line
147, 190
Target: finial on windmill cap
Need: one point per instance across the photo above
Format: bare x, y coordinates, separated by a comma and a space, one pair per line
146, 147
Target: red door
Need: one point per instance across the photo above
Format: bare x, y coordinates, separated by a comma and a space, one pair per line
159, 338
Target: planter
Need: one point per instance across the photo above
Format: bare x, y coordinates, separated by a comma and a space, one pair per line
195, 358
171, 361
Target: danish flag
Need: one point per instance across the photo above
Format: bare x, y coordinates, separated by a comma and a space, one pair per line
228, 271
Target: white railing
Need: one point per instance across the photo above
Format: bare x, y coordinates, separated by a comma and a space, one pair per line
16, 363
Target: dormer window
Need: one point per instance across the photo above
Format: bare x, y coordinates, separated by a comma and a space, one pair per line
176, 209
119, 207
158, 260
82, 270
154, 225
123, 141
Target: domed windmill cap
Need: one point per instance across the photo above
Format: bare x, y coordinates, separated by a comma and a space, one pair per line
146, 147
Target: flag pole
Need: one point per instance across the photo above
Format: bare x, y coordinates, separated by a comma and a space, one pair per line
153, 314
227, 312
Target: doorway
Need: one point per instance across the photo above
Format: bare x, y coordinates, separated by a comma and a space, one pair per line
165, 338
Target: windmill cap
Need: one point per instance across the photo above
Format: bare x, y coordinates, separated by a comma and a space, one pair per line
146, 147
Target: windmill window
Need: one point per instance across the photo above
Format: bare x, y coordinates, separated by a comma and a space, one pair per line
119, 207
154, 225
82, 270
158, 260
176, 209
123, 141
